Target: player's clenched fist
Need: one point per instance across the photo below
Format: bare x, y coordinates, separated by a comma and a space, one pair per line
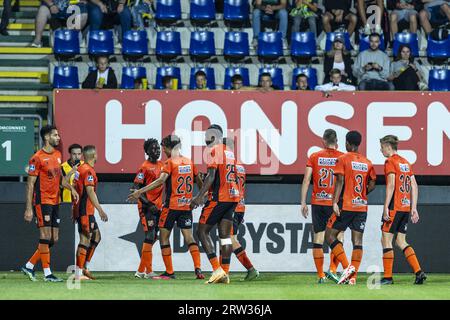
304, 209
28, 216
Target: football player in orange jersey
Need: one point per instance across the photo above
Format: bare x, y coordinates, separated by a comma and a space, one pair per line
43, 198
400, 203
320, 167
356, 173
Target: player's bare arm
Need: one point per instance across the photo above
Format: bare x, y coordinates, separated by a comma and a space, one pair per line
414, 200
93, 197
135, 194
337, 193
304, 192
28, 216
209, 180
371, 186
390, 187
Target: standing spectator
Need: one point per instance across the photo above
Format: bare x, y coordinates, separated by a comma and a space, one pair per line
140, 9
237, 82
362, 6
305, 9
102, 78
435, 12
200, 80
339, 58
5, 17
372, 67
57, 12
115, 11
266, 10
336, 83
337, 12
302, 82
405, 73
404, 10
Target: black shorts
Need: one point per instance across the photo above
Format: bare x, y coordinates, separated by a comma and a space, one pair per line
398, 222
87, 223
46, 215
320, 216
149, 216
348, 219
213, 212
169, 217
238, 219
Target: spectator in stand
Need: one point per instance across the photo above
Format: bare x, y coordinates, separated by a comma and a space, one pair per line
6, 14
302, 82
404, 10
266, 10
140, 10
405, 73
167, 82
337, 12
305, 9
435, 12
111, 11
58, 14
336, 83
141, 83
339, 58
372, 67
365, 12
200, 80
102, 78
265, 83
237, 82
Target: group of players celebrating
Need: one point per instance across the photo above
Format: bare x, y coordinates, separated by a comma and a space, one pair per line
164, 192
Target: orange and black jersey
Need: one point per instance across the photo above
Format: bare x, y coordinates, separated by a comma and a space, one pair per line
323, 164
179, 185
149, 172
224, 188
401, 168
240, 173
357, 171
84, 177
47, 168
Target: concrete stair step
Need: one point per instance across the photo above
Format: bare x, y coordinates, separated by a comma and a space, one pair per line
25, 86
42, 77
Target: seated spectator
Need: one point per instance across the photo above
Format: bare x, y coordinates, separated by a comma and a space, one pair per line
237, 82
404, 10
335, 84
362, 6
339, 58
266, 10
302, 82
405, 73
435, 12
168, 83
141, 83
58, 14
141, 9
372, 67
102, 78
305, 10
337, 12
265, 83
200, 80
102, 12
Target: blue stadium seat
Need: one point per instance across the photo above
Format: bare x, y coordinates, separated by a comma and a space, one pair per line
270, 45
168, 44
303, 44
439, 80
230, 72
202, 11
311, 73
438, 49
129, 74
236, 45
364, 43
167, 71
168, 11
202, 44
101, 42
277, 76
210, 78
332, 35
135, 43
65, 77
406, 38
236, 11
67, 42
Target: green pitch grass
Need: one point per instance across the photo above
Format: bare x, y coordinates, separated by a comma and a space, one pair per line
293, 286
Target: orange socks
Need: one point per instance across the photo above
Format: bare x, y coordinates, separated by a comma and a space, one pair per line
338, 250
44, 253
81, 256
388, 262
35, 257
356, 258
334, 263
195, 253
410, 256
243, 259
167, 258
214, 261
318, 259
146, 258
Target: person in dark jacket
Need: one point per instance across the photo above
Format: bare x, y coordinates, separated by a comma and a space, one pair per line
101, 78
339, 58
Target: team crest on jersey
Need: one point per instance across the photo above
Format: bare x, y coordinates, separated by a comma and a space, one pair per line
183, 201
358, 201
406, 202
323, 196
90, 178
404, 167
32, 168
140, 176
229, 154
360, 166
329, 162
184, 169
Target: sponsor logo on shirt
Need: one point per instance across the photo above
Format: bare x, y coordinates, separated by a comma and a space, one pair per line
406, 202
240, 169
360, 166
404, 167
330, 162
184, 169
324, 196
183, 201
358, 201
233, 192
229, 154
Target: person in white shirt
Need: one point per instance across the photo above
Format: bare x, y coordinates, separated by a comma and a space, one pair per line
335, 84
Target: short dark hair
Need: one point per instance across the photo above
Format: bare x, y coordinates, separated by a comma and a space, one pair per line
301, 75
170, 141
353, 138
216, 127
166, 80
101, 56
74, 146
391, 140
374, 34
330, 136
236, 77
148, 143
45, 130
200, 73
265, 74
335, 71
